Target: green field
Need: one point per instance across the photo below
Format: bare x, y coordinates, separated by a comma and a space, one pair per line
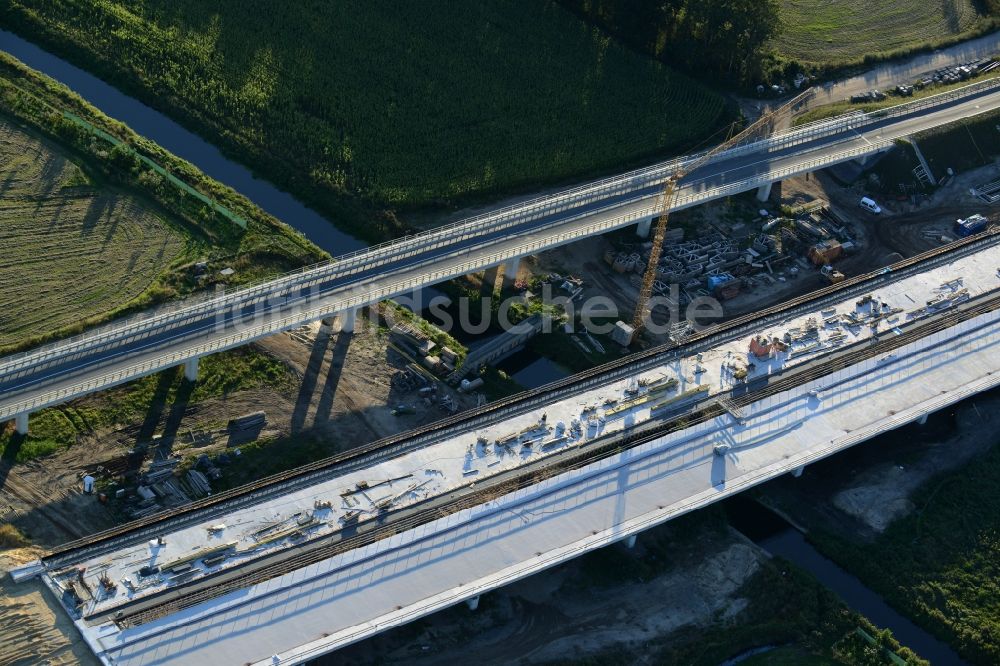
844, 32
392, 104
940, 565
89, 231
71, 250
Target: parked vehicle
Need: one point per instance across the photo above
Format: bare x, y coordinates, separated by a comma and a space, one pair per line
870, 205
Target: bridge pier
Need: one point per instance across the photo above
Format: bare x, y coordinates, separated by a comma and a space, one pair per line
922, 420
472, 602
510, 269
629, 541
797, 472
191, 369
348, 320
642, 230
764, 192
21, 424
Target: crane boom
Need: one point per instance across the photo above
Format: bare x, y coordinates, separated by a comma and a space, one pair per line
666, 198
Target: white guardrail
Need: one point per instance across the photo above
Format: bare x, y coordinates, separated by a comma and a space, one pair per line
494, 221
445, 268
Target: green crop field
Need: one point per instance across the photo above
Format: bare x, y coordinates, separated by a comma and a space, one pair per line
836, 32
392, 104
89, 231
71, 250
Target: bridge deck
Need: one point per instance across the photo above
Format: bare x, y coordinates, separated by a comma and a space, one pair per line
64, 372
305, 593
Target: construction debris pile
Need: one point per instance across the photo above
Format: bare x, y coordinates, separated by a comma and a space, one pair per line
723, 265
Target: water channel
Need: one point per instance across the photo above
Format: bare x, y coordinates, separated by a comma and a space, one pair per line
183, 143
772, 533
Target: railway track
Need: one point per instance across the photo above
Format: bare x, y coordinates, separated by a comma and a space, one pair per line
369, 454
404, 519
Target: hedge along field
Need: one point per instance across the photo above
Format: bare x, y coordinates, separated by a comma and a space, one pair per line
84, 226
843, 32
400, 104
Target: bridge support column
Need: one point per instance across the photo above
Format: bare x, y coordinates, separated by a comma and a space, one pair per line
21, 424
348, 320
797, 472
922, 420
191, 369
642, 231
764, 192
629, 541
472, 602
510, 269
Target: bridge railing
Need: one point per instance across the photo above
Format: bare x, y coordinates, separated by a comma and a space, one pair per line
493, 221
361, 295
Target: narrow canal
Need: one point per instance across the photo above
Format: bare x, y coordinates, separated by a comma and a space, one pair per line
183, 143
775, 535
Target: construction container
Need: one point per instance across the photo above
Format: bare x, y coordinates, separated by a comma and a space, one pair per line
825, 252
971, 225
622, 333
468, 385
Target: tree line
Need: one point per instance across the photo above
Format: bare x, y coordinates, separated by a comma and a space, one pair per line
722, 39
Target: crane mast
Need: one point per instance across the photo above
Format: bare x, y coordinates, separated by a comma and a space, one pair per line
666, 199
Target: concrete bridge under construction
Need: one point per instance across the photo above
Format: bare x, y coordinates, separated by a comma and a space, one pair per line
180, 335
289, 568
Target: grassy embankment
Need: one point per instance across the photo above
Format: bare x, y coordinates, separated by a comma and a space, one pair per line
940, 565
60, 427
91, 233
963, 145
362, 109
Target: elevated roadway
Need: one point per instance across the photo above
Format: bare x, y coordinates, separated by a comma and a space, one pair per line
129, 349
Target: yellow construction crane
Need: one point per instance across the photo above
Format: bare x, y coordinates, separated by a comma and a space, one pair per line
666, 198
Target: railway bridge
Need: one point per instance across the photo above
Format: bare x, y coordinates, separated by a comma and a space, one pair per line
297, 565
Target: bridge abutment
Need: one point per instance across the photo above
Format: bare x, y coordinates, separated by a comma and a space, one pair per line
21, 424
191, 369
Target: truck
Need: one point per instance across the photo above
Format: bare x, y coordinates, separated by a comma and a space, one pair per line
971, 225
832, 275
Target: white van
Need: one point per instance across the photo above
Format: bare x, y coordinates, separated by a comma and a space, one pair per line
869, 205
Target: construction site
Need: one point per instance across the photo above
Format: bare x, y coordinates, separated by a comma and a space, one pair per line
127, 587
349, 395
